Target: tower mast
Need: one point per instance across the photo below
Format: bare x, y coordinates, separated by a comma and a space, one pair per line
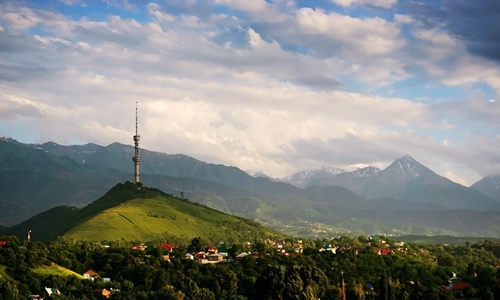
136, 158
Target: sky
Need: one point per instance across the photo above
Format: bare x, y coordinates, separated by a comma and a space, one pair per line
271, 86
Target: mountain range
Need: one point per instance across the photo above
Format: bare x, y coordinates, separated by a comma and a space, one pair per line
405, 197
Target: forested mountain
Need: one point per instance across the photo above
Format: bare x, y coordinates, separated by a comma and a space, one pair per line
35, 178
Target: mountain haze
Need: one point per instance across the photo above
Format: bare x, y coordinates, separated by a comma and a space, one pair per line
489, 186
407, 179
307, 178
36, 178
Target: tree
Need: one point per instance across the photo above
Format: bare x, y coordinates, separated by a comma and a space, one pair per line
383, 293
197, 244
270, 284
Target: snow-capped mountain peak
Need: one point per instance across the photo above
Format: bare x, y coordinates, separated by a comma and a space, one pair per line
304, 178
365, 172
408, 167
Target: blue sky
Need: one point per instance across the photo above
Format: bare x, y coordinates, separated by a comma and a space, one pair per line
272, 86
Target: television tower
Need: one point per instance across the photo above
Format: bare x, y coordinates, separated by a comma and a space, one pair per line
136, 158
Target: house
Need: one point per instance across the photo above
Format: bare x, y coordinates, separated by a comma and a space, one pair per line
458, 286
35, 297
215, 257
90, 275
167, 247
3, 243
200, 255
52, 291
242, 255
212, 250
328, 247
102, 293
222, 250
381, 251
189, 256
399, 244
297, 247
138, 247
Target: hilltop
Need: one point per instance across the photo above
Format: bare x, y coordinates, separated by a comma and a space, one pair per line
136, 213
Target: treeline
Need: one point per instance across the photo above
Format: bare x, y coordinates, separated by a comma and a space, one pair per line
413, 272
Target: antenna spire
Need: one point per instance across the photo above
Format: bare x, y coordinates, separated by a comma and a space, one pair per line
137, 138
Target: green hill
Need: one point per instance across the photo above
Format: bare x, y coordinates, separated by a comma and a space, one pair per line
133, 213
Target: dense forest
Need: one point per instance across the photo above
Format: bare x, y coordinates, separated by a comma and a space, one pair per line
351, 267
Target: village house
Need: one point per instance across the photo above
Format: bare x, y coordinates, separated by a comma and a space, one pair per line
242, 255
52, 291
138, 247
212, 250
222, 250
215, 257
381, 251
90, 275
102, 293
167, 247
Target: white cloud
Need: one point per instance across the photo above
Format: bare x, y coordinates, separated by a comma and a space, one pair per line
371, 36
285, 95
377, 3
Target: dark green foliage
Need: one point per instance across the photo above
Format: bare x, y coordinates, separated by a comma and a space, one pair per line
415, 275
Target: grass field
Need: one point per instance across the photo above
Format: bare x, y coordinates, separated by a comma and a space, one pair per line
148, 219
54, 269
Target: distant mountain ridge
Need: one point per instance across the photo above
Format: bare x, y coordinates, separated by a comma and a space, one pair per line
34, 178
307, 178
489, 186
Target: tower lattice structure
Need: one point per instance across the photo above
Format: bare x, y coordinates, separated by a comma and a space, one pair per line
136, 158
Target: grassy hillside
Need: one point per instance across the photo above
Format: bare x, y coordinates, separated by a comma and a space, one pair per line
55, 270
132, 213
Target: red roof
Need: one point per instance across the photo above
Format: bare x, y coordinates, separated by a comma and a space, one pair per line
458, 286
3, 243
385, 251
91, 273
167, 246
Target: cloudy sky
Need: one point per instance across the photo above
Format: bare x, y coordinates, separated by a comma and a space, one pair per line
272, 86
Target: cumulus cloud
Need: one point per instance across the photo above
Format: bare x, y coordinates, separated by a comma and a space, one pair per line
259, 85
